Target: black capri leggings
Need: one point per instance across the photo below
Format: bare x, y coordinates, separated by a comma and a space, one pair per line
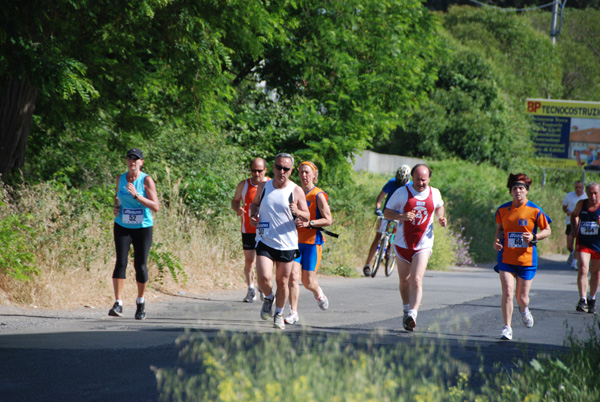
142, 240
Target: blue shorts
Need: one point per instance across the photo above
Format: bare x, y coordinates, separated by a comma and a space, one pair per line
521, 271
310, 256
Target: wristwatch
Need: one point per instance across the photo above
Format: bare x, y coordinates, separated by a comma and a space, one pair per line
310, 224
534, 239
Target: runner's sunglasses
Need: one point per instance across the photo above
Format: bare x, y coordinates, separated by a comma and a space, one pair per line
285, 169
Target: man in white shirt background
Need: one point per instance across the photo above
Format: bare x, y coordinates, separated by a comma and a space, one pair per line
568, 206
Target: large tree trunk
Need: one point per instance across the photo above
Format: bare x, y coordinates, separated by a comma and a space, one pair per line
16, 110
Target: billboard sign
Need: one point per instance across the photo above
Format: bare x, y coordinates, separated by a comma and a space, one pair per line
566, 133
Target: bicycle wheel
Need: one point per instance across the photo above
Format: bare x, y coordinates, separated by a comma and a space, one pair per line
379, 254
390, 262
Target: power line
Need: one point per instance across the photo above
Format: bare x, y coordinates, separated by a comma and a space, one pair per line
512, 9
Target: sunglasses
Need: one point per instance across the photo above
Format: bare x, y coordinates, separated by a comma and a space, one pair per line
133, 157
256, 170
285, 169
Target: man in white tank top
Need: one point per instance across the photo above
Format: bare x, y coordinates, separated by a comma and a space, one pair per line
277, 205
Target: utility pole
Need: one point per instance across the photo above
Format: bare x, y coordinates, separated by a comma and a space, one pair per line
553, 31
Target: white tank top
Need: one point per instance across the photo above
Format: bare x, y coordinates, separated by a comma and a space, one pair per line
276, 226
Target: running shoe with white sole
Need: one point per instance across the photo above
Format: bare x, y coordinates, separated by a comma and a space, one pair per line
506, 333
116, 310
250, 296
323, 302
527, 319
591, 306
278, 321
140, 312
293, 318
265, 312
581, 305
409, 322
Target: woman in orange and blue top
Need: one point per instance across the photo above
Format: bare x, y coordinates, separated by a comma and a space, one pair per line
310, 241
520, 225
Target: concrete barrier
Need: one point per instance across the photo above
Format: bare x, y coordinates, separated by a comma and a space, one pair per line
382, 163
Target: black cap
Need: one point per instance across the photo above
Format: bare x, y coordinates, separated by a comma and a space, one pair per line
135, 152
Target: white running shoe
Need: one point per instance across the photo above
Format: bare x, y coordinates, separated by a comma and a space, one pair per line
250, 296
278, 321
292, 318
506, 333
323, 302
527, 319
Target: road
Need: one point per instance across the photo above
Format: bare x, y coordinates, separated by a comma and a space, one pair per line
85, 355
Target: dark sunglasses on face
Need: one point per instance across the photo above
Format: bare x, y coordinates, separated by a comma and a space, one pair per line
285, 169
133, 157
256, 170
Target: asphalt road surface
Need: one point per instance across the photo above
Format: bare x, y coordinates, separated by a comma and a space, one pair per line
85, 355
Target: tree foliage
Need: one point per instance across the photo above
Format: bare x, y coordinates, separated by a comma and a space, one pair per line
494, 60
349, 72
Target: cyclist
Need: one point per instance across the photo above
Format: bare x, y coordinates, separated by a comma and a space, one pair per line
402, 178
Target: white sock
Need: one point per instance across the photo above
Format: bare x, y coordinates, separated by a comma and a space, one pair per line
119, 302
406, 307
278, 310
270, 297
140, 300
525, 311
413, 313
250, 286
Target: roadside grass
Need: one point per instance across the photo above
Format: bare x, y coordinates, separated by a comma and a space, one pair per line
305, 367
308, 367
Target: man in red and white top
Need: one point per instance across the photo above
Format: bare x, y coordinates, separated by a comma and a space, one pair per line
415, 206
244, 195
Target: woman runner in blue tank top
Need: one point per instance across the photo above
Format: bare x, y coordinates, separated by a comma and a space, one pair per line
135, 200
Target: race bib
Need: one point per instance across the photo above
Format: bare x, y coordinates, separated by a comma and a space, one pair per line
589, 228
133, 216
515, 240
262, 229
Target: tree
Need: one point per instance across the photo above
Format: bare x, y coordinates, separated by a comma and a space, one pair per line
349, 72
101, 72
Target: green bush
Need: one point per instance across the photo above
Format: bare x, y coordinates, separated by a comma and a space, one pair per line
308, 366
17, 257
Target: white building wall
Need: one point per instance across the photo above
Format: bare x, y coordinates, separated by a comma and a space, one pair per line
382, 163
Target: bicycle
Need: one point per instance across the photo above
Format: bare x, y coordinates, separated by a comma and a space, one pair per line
385, 249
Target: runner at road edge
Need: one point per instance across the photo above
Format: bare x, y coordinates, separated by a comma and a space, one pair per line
135, 200
585, 221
